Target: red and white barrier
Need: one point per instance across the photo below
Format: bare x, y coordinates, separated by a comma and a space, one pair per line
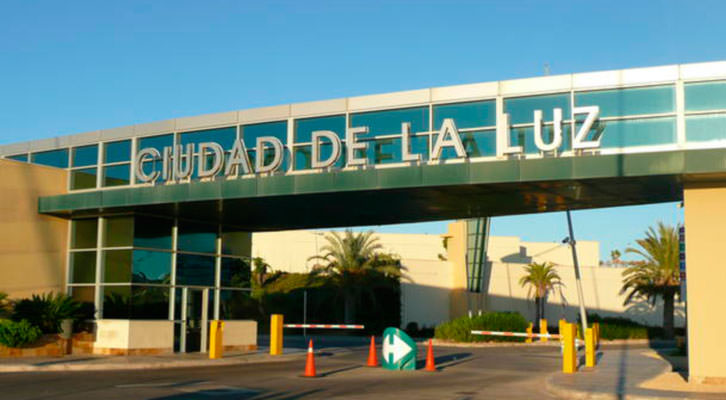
323, 326
521, 334
516, 334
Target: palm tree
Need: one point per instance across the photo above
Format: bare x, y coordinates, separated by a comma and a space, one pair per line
6, 306
658, 274
541, 278
350, 260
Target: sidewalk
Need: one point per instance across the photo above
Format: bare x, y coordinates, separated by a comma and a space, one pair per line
99, 363
629, 373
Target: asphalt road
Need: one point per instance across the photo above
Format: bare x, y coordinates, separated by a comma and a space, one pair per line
484, 373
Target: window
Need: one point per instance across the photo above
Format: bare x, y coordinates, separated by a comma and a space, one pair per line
116, 175
389, 122
83, 178
53, 158
85, 156
250, 133
235, 272
521, 109
118, 232
236, 304
305, 127
225, 137
705, 96
84, 233
467, 115
624, 102
705, 128
83, 267
198, 238
115, 152
196, 270
135, 302
19, 157
637, 132
153, 232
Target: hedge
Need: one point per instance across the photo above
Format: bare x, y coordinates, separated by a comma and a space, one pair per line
459, 330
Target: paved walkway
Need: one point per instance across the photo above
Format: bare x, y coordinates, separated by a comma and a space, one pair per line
628, 373
98, 363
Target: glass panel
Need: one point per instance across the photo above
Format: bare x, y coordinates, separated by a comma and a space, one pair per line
622, 102
521, 109
83, 267
197, 237
117, 175
117, 151
193, 269
86, 155
389, 122
153, 232
467, 115
86, 295
235, 273
83, 178
524, 136
705, 96
19, 157
135, 302
224, 136
384, 151
84, 233
117, 266
236, 243
236, 304
250, 133
304, 128
151, 166
476, 143
118, 232
157, 142
703, 128
304, 156
54, 158
151, 267
638, 132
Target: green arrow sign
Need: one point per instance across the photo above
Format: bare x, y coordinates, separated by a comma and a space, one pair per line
399, 350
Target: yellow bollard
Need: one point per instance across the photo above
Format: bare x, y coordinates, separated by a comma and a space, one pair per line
569, 355
276, 321
215, 339
590, 347
596, 330
561, 331
543, 329
529, 332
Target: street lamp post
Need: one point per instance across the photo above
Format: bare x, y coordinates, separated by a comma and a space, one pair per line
571, 241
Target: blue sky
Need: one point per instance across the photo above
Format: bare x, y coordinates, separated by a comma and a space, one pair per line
69, 67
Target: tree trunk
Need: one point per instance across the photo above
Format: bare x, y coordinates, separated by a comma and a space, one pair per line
668, 307
349, 307
537, 312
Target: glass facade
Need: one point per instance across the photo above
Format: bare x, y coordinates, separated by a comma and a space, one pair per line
136, 266
631, 117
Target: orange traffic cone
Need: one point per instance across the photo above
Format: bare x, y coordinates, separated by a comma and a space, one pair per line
430, 365
372, 354
310, 363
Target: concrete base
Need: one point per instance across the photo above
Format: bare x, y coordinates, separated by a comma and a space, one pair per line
133, 337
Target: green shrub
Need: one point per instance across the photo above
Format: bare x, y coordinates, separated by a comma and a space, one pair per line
16, 334
6, 307
612, 328
46, 311
459, 330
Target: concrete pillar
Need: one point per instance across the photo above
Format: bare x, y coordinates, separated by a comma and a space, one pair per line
705, 223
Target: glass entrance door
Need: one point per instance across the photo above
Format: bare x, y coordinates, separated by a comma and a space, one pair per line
192, 330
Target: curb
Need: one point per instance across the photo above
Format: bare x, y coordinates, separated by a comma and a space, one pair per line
577, 394
116, 366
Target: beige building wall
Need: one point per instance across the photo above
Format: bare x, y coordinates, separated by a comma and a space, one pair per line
705, 223
32, 246
435, 287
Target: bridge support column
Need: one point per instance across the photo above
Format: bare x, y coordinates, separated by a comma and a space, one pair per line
705, 226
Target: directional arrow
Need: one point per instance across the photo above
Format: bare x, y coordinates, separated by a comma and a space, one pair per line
394, 349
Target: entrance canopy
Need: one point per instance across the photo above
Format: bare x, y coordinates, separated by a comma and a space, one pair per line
510, 147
